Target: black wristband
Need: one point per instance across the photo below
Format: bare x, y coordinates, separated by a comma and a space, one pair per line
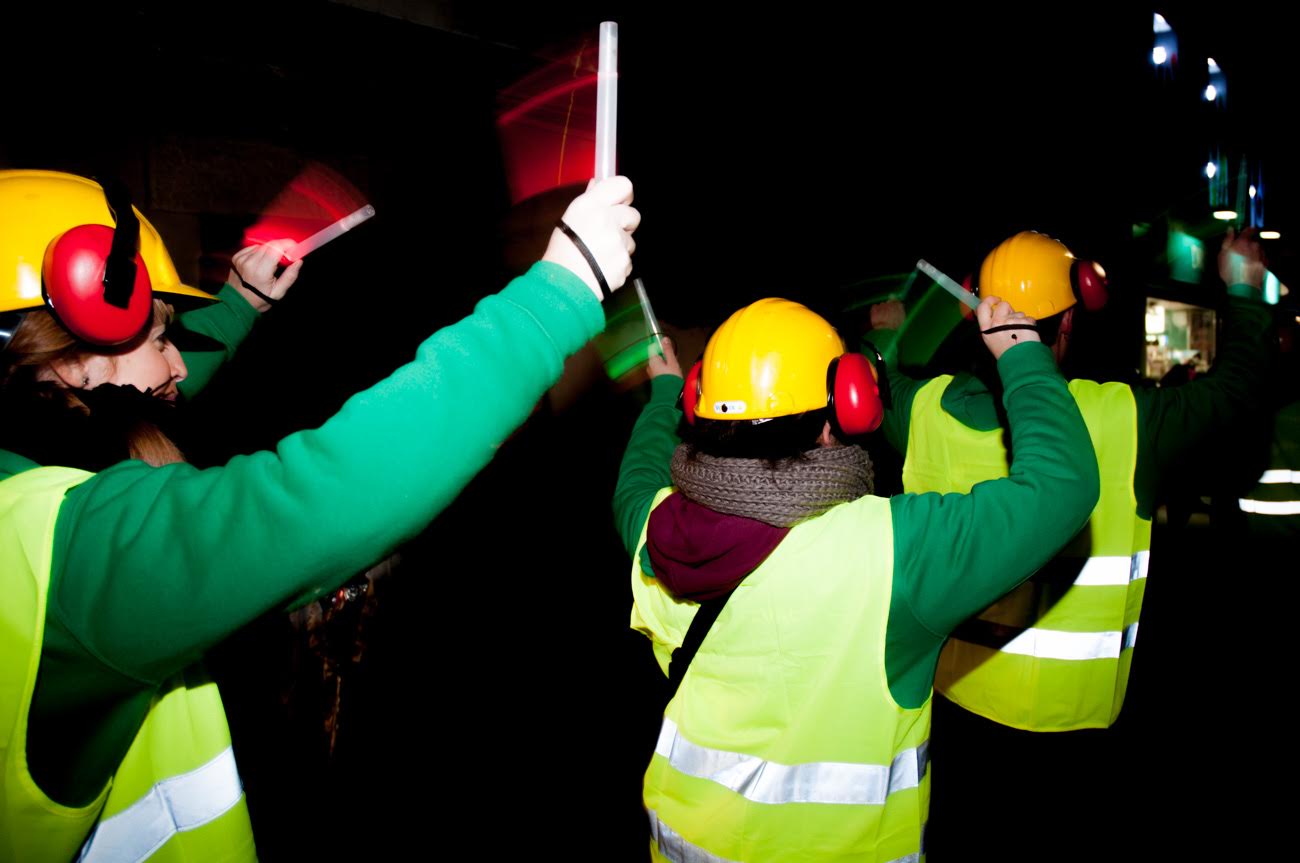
586, 253
1005, 327
269, 300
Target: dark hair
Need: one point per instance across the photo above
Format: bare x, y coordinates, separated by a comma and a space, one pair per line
774, 440
1050, 328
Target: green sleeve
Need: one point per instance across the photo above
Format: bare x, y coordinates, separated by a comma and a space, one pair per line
645, 467
229, 322
1174, 420
199, 553
902, 391
956, 553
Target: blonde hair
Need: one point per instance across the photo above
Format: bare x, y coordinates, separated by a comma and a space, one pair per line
40, 341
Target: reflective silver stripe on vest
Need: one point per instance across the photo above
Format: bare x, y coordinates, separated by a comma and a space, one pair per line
678, 850
1280, 476
1056, 644
184, 802
813, 782
1270, 507
1113, 570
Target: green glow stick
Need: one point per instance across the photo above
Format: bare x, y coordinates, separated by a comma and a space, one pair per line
948, 284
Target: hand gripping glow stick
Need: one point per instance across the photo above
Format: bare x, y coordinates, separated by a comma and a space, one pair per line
324, 235
651, 322
607, 100
948, 284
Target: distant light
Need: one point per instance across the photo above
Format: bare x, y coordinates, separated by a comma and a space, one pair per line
1252, 191
1211, 169
1211, 93
1186, 256
1270, 235
1225, 215
1160, 24
1214, 67
1159, 55
1155, 319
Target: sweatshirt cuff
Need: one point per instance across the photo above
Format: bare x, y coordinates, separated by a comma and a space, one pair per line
1021, 364
1246, 292
561, 302
239, 307
665, 389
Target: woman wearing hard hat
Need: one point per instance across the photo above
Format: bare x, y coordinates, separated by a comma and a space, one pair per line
119, 573
807, 612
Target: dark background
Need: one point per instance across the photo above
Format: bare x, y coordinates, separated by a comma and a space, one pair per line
502, 704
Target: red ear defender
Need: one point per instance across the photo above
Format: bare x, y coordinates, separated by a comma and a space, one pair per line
969, 284
94, 278
691, 392
73, 275
853, 395
1090, 284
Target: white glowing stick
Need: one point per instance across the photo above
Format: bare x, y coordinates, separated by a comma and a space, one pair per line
651, 322
324, 235
948, 284
607, 100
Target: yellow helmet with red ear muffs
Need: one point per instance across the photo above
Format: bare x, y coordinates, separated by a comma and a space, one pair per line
777, 358
1040, 277
84, 252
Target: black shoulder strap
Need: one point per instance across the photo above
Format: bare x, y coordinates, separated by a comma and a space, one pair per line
695, 635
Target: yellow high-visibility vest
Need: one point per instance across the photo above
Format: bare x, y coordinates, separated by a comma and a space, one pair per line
175, 798
1054, 653
783, 741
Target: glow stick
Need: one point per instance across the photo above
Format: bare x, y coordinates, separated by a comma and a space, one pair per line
651, 322
324, 235
607, 100
948, 284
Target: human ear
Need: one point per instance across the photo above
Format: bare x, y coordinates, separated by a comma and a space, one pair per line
81, 373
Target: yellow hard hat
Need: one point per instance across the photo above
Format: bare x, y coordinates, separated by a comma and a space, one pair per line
1032, 272
36, 207
770, 359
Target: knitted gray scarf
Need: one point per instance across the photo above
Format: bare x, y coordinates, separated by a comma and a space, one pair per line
782, 495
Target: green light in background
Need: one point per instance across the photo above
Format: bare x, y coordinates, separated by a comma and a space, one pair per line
1186, 257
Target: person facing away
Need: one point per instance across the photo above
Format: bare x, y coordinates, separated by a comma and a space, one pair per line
1055, 654
799, 729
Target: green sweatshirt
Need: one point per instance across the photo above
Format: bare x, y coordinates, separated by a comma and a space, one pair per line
1171, 421
153, 566
953, 553
229, 322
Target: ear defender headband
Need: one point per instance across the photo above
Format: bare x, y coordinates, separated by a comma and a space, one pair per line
94, 279
857, 393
